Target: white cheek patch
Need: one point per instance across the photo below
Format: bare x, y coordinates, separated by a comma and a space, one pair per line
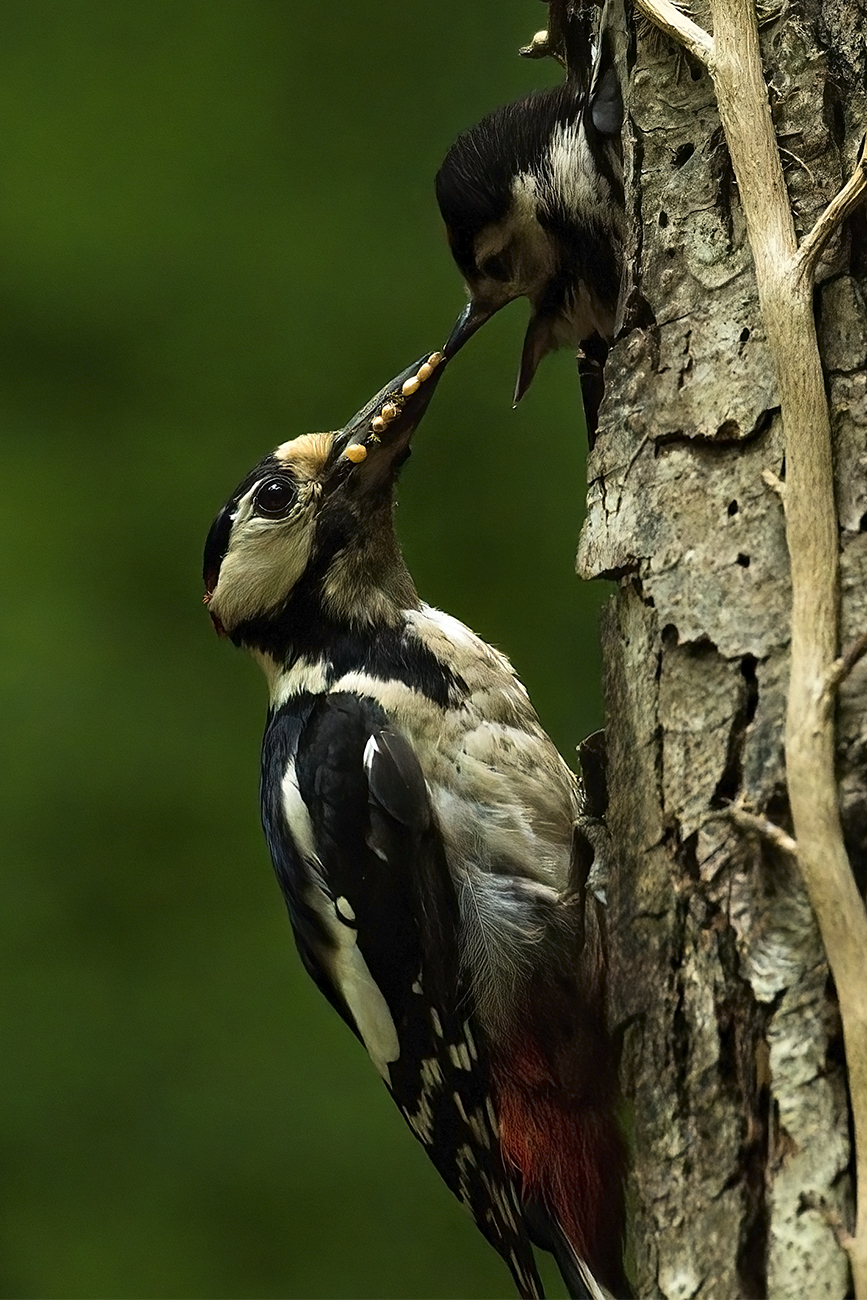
264, 561
525, 199
521, 238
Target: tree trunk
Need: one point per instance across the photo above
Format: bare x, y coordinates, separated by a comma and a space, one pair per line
732, 1064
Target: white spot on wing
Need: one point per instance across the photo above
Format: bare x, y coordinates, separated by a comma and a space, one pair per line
460, 1057
344, 908
421, 1120
370, 750
478, 1128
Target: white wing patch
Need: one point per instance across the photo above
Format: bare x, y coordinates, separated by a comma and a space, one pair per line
297, 816
346, 965
351, 976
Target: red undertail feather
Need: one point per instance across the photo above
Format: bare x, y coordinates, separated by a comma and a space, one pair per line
570, 1155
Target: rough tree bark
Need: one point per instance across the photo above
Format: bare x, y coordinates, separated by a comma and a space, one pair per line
733, 1063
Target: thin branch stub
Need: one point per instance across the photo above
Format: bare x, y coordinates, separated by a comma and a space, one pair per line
841, 206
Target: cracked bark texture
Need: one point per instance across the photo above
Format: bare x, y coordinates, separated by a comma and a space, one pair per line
732, 1060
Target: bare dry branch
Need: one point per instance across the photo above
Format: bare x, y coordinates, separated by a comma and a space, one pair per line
679, 27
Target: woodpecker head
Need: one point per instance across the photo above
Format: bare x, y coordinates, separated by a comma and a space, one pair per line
307, 536
531, 199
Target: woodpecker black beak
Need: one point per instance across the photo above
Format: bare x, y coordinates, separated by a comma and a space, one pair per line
537, 344
375, 441
471, 319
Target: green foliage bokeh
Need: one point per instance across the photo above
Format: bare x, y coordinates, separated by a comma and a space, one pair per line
218, 230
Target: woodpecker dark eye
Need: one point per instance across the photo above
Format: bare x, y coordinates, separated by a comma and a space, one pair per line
274, 498
495, 268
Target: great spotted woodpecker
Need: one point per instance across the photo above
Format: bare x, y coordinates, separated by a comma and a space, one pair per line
426, 836
532, 200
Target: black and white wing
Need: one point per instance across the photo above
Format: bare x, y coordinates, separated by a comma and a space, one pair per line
375, 914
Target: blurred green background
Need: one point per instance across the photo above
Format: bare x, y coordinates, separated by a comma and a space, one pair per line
219, 230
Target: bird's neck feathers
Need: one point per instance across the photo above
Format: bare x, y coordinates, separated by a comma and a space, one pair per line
357, 588
366, 581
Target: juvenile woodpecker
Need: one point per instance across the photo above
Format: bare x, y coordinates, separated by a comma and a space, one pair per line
532, 200
423, 831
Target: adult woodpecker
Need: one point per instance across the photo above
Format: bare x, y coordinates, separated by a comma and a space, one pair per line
423, 830
532, 200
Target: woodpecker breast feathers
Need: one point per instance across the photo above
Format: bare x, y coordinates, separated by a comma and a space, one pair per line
532, 200
423, 831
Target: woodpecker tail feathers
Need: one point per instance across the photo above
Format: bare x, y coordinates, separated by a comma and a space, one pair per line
548, 1235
